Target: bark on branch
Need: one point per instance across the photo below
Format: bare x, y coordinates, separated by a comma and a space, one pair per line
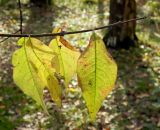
73, 32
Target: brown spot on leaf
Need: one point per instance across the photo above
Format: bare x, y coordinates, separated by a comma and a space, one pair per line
106, 91
60, 46
85, 65
90, 83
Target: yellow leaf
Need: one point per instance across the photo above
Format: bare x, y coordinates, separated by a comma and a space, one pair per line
67, 56
40, 58
25, 75
97, 73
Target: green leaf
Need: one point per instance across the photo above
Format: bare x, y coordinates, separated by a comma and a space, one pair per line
67, 56
97, 73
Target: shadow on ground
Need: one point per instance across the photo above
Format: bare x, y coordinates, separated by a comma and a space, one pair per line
134, 104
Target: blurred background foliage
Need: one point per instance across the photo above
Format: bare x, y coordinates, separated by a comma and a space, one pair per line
135, 102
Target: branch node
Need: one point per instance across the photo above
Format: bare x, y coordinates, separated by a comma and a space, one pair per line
62, 33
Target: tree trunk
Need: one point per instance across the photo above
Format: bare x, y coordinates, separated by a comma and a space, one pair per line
123, 35
41, 3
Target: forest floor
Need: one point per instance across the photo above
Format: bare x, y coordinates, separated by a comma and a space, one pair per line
133, 105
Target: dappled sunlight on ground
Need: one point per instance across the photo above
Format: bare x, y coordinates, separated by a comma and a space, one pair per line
133, 105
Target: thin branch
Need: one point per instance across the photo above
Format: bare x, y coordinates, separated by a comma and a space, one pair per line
21, 20
21, 16
73, 32
8, 37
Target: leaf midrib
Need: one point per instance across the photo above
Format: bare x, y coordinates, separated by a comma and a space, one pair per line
95, 75
30, 70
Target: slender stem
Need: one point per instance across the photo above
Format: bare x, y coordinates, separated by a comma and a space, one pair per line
21, 16
73, 32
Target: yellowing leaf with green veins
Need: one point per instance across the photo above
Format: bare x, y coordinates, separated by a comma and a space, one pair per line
43, 57
39, 57
97, 73
25, 75
67, 56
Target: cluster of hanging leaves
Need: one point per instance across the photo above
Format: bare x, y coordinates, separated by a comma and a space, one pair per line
36, 66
